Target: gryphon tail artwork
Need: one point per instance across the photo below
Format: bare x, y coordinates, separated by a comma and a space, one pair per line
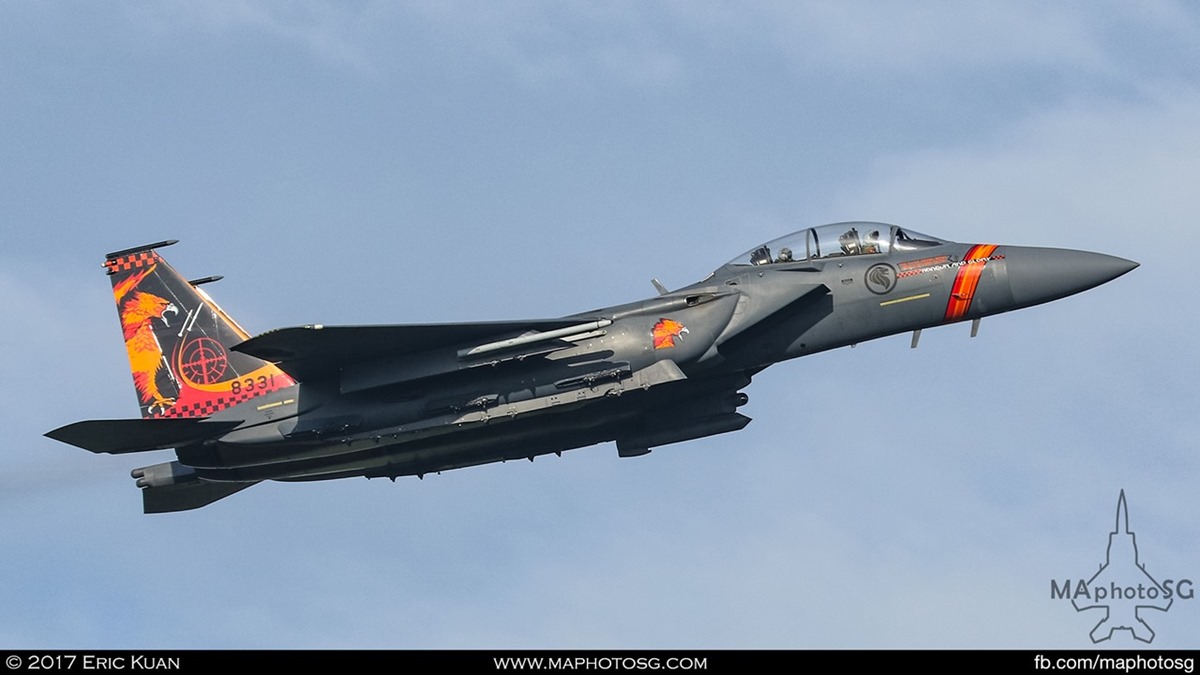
179, 342
323, 402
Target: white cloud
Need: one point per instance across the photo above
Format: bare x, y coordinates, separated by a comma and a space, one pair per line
640, 44
329, 31
1100, 175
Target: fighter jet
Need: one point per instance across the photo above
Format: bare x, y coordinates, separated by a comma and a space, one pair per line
322, 402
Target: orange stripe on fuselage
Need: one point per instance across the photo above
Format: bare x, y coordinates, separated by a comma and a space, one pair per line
967, 280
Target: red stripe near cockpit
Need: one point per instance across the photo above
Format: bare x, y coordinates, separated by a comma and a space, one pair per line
967, 280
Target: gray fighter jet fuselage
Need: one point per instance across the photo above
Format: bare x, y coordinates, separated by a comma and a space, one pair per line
322, 402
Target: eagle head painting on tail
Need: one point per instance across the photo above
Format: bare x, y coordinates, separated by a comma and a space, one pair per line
145, 354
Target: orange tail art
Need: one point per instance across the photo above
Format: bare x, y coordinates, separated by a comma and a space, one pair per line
178, 341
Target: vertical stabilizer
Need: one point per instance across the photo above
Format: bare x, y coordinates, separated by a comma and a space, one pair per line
178, 341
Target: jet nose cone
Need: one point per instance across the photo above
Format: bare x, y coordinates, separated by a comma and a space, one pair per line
1038, 275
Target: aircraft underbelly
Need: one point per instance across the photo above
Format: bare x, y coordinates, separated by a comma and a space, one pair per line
607, 410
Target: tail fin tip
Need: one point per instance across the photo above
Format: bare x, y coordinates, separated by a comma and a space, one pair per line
138, 249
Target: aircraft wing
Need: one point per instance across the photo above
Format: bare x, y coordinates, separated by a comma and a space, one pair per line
308, 351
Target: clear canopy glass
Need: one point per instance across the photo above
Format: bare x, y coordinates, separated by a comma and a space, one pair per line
837, 240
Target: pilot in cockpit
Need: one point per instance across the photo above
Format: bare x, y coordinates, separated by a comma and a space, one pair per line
871, 245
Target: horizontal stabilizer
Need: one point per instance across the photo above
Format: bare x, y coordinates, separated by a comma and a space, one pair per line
310, 351
121, 436
187, 496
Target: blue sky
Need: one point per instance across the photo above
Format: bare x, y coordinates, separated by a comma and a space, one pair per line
374, 162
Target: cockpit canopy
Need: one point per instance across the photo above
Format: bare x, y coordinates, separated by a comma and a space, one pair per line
835, 241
